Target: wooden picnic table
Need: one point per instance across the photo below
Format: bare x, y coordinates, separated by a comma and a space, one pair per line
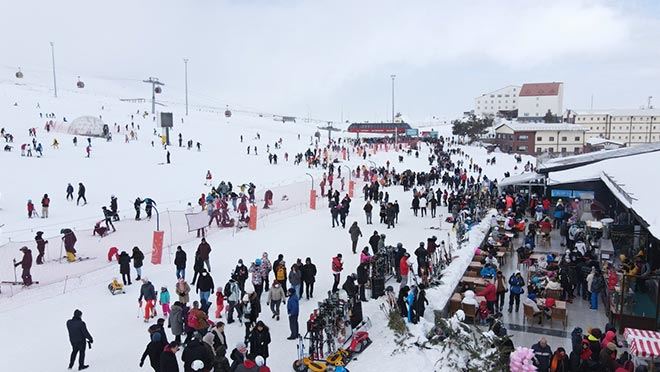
456, 300
475, 266
475, 281
559, 304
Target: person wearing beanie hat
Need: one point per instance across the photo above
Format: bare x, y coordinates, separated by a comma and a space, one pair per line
41, 246
26, 264
197, 365
261, 363
238, 355
153, 350
79, 338
607, 357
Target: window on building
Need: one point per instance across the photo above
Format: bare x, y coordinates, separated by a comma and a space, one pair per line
499, 95
537, 105
539, 150
591, 128
492, 96
523, 137
551, 139
551, 150
514, 101
564, 139
499, 107
521, 148
563, 150
539, 139
577, 138
576, 150
506, 95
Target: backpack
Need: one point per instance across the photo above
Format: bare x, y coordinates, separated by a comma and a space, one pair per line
227, 290
192, 320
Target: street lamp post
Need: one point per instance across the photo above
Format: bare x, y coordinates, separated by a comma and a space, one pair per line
185, 62
396, 130
52, 52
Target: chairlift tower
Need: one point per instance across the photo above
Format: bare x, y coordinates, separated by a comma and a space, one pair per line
154, 82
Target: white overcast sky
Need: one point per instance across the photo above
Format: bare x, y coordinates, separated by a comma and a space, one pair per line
328, 56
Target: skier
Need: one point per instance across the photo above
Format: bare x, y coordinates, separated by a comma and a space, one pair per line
138, 262
41, 246
79, 338
45, 202
26, 265
69, 239
337, 267
180, 263
69, 192
30, 208
147, 292
124, 262
81, 194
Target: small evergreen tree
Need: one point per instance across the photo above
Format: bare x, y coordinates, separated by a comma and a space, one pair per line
472, 126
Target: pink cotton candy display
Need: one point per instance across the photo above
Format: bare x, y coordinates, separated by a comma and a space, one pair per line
521, 360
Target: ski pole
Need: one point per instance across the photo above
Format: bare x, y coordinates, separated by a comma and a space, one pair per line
15, 278
61, 247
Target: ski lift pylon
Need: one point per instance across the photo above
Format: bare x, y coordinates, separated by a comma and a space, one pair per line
80, 83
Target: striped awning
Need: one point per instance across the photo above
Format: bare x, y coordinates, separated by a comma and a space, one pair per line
643, 343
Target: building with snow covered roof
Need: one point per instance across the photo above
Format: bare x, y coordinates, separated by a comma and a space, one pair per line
539, 138
503, 99
631, 127
536, 99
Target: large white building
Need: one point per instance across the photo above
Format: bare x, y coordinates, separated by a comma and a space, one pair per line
631, 127
503, 99
536, 99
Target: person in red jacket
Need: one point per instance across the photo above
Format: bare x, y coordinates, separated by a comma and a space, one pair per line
404, 268
490, 293
337, 267
30, 208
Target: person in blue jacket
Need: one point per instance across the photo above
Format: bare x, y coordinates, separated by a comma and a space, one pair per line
558, 213
292, 309
488, 271
516, 288
411, 302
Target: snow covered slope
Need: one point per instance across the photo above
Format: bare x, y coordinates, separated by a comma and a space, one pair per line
35, 317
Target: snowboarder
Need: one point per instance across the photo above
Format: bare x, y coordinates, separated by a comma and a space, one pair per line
81, 194
26, 265
79, 338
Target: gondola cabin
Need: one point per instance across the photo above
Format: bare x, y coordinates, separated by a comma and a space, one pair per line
158, 90
80, 83
227, 113
19, 74
379, 128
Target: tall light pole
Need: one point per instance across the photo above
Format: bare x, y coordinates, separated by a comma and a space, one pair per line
185, 62
52, 53
396, 130
154, 82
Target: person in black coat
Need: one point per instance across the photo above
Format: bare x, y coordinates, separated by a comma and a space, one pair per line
26, 265
180, 262
41, 246
362, 279
373, 242
168, 361
349, 286
81, 193
402, 301
259, 341
308, 272
422, 258
153, 350
195, 350
420, 303
138, 261
124, 261
79, 338
197, 268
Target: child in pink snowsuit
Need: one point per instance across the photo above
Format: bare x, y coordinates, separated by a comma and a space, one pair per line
165, 301
220, 302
